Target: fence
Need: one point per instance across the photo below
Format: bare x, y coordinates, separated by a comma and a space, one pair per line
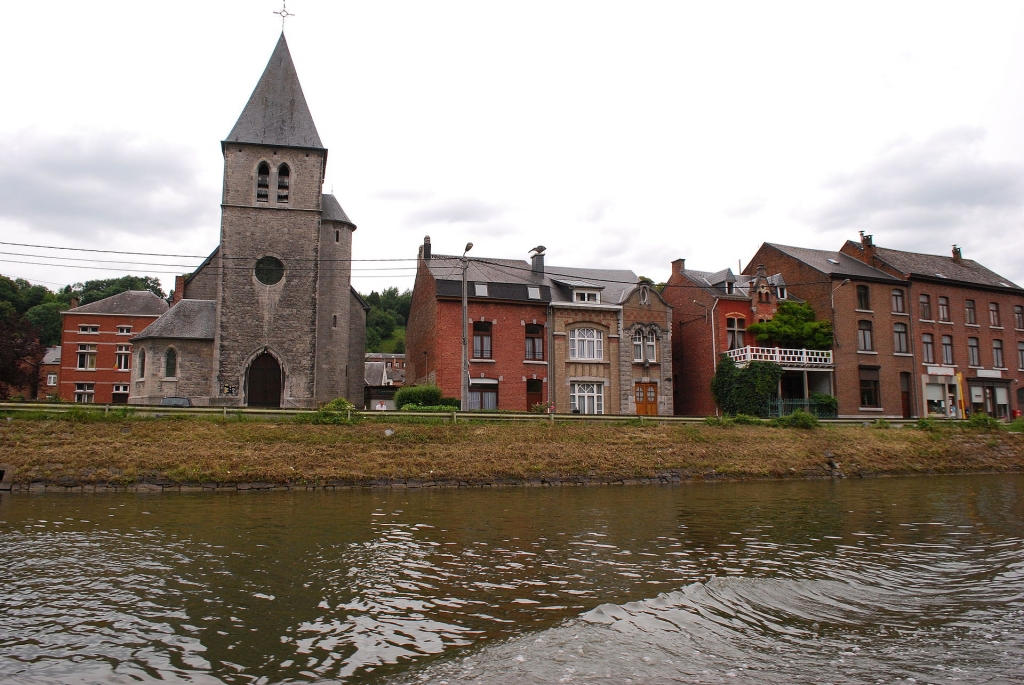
783, 407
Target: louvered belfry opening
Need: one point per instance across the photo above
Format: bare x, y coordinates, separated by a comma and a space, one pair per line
283, 176
265, 381
263, 182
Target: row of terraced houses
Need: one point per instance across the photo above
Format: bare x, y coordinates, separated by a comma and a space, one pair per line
915, 334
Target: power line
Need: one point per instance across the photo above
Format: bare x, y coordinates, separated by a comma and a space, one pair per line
192, 256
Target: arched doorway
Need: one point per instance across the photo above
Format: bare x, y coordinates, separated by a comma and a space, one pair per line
265, 381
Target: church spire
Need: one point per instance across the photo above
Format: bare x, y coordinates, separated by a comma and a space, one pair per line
277, 113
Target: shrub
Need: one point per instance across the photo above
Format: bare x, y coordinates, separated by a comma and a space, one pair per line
541, 407
1017, 425
423, 395
982, 421
339, 404
747, 390
882, 423
927, 424
747, 420
828, 402
429, 407
719, 421
798, 419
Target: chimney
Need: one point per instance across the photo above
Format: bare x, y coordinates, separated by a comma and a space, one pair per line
678, 266
761, 272
179, 290
74, 303
957, 255
867, 243
537, 261
426, 247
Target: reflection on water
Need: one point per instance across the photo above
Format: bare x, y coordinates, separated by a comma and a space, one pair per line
847, 582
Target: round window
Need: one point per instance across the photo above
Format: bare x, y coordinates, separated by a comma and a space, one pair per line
269, 270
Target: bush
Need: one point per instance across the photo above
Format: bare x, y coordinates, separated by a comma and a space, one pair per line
983, 421
747, 420
423, 395
747, 390
429, 407
928, 424
541, 407
1017, 425
338, 404
718, 421
882, 423
829, 402
798, 419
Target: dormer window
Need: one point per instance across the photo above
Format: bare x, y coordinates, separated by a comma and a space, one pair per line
587, 296
262, 182
480, 289
283, 177
781, 291
729, 288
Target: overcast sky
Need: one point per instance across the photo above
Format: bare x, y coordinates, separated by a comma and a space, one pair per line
620, 135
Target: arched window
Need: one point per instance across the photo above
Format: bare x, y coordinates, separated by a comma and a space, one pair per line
651, 346
586, 343
263, 182
142, 363
638, 346
170, 363
283, 177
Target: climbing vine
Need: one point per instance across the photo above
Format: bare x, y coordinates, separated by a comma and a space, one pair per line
747, 390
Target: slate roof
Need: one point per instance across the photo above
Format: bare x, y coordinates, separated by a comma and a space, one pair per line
205, 263
712, 282
187, 320
833, 262
277, 113
932, 266
509, 278
332, 210
52, 355
130, 302
374, 373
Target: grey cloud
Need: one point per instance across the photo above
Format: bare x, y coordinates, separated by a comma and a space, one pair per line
402, 195
102, 185
745, 208
596, 212
459, 211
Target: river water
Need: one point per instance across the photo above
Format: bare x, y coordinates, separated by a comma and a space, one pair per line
870, 581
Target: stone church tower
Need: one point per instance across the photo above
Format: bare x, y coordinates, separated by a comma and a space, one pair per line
287, 328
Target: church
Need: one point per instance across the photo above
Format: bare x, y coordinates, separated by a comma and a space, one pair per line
270, 318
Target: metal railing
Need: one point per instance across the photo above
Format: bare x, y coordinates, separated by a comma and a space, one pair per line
784, 407
782, 356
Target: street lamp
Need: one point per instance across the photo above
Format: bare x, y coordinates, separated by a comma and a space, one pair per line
464, 403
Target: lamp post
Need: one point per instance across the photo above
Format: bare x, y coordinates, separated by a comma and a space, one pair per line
464, 400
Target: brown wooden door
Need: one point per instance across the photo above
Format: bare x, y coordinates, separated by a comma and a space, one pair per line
534, 393
265, 381
646, 396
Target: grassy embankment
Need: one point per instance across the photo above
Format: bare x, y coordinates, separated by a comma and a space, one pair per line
198, 450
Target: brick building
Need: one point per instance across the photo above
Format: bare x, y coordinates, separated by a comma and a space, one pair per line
97, 349
49, 374
270, 318
537, 335
966, 327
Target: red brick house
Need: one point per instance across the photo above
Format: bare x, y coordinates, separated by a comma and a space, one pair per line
576, 340
96, 347
49, 374
966, 327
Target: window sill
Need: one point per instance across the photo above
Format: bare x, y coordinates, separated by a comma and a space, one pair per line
999, 368
972, 325
865, 311
1019, 330
975, 367
899, 314
996, 328
866, 352
483, 361
926, 320
90, 370
870, 409
588, 361
902, 354
539, 362
170, 378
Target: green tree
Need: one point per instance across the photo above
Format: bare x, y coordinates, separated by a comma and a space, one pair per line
381, 321
793, 326
400, 347
372, 340
20, 351
48, 321
91, 291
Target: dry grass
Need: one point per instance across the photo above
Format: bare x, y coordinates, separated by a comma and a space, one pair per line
198, 450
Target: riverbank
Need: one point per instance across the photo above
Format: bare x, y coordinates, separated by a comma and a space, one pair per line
197, 454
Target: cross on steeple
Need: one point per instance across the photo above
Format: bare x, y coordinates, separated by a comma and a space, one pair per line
283, 13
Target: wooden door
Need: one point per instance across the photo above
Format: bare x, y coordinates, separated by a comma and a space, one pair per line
646, 396
264, 381
534, 393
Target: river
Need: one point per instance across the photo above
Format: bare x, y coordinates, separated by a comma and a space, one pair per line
869, 581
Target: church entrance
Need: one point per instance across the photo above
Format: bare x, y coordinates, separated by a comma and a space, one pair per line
265, 381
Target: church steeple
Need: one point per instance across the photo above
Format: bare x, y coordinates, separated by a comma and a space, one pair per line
277, 113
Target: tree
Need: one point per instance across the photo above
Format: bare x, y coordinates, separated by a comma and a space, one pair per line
793, 326
372, 340
91, 291
20, 351
48, 322
400, 347
381, 321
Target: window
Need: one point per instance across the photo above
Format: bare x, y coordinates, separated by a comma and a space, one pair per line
51, 378
91, 328
533, 292
735, 328
586, 343
124, 330
120, 388
587, 398
85, 393
170, 363
925, 302
483, 397
947, 350
997, 354
262, 182
973, 352
928, 348
586, 296
122, 358
534, 341
944, 309
283, 177
1020, 360
993, 314
899, 305
269, 270
480, 289
864, 339
869, 396
87, 357
481, 340
334, 320
638, 345
863, 297
781, 292
1018, 316
337, 236
652, 345
899, 338
142, 363
970, 315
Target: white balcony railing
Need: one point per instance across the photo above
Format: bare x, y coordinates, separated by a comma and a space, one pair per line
814, 359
